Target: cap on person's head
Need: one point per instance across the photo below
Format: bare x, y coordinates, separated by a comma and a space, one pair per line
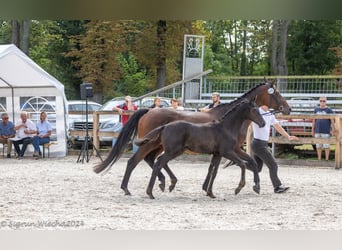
216, 94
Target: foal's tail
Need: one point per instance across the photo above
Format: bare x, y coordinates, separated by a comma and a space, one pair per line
128, 131
152, 137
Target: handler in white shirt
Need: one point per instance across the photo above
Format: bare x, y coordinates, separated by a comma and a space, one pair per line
260, 146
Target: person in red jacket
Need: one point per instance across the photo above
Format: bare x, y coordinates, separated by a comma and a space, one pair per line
127, 105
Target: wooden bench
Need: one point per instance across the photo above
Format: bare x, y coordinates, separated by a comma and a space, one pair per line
47, 146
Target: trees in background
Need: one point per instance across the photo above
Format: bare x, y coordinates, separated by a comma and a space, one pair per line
133, 57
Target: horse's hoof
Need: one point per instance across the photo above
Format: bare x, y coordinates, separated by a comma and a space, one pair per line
256, 189
211, 195
127, 192
151, 196
162, 186
173, 185
237, 190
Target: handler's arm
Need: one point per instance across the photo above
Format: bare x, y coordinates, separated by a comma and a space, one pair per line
282, 131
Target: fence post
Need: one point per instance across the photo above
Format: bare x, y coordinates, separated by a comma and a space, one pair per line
338, 148
249, 138
96, 141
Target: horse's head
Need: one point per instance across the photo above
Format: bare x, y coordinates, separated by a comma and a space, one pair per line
270, 96
253, 114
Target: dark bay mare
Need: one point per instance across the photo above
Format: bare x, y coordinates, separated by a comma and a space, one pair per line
145, 120
218, 138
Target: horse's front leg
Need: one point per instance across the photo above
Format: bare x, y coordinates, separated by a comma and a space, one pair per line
233, 156
213, 168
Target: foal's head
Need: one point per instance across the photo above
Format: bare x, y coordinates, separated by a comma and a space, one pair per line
252, 113
245, 110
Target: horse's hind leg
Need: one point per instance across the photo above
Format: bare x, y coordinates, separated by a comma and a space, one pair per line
160, 163
173, 178
207, 178
214, 164
131, 164
150, 161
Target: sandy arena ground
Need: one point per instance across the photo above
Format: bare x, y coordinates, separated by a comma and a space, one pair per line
52, 193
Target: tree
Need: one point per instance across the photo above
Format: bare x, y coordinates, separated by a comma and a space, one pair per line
310, 46
21, 35
279, 45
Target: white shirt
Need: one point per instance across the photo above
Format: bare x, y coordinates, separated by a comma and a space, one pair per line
264, 132
30, 126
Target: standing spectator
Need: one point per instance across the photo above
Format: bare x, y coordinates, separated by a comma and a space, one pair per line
26, 129
44, 130
175, 104
156, 103
128, 105
216, 101
323, 128
6, 132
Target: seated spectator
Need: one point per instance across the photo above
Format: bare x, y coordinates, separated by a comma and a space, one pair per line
25, 130
175, 104
156, 103
44, 130
6, 132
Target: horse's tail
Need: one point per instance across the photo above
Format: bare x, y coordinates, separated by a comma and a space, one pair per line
128, 130
152, 137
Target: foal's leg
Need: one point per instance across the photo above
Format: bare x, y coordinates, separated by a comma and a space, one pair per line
252, 166
132, 163
242, 164
214, 164
173, 179
161, 162
207, 178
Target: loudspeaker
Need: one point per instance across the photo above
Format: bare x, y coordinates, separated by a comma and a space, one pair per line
86, 90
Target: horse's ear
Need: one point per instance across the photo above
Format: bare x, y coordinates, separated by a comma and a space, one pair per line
265, 80
272, 83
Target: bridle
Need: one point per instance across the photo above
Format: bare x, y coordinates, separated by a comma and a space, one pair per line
271, 92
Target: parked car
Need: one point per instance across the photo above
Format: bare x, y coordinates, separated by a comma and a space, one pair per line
112, 123
77, 122
301, 104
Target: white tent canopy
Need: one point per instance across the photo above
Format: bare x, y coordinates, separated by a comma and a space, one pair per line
24, 85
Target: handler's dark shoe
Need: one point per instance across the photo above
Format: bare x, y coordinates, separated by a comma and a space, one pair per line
8, 155
281, 189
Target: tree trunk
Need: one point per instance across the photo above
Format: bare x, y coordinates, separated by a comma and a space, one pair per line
279, 44
161, 61
243, 55
25, 30
16, 33
21, 35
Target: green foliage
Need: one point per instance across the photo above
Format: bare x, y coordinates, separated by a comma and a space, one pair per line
310, 44
135, 80
5, 32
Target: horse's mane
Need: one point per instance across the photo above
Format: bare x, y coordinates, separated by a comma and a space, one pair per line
237, 100
235, 107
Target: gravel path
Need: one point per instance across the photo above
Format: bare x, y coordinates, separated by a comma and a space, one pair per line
51, 194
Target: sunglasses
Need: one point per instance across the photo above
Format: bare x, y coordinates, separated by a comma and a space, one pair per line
321, 100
